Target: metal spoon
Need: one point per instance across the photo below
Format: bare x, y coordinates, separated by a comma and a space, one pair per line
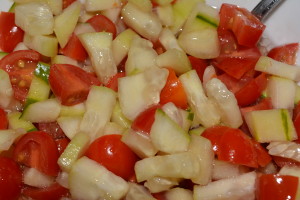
264, 8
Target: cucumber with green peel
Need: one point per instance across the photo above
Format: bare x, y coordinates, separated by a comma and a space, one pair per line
139, 143
2, 54
75, 110
204, 109
179, 165
119, 118
197, 131
65, 23
61, 59
99, 48
282, 92
99, 108
16, 122
273, 67
121, 45
175, 59
42, 111
69, 124
90, 180
75, 149
271, 125
6, 90
12, 8
7, 138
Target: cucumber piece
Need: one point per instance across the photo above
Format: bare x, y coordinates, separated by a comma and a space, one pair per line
160, 184
6, 90
147, 87
69, 124
39, 91
73, 151
167, 136
99, 107
12, 8
205, 110
203, 150
2, 54
197, 131
273, 67
7, 138
64, 23
282, 92
47, 45
61, 59
139, 143
42, 111
121, 45
15, 122
75, 110
99, 48
35, 18
147, 24
202, 44
175, 59
241, 187
113, 128
144, 5
56, 6
42, 71
88, 180
226, 102
100, 5
165, 14
179, 165
138, 192
168, 40
271, 125
179, 194
181, 10
119, 118
141, 56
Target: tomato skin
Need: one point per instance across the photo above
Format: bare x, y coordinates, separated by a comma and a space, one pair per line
199, 65
66, 3
10, 34
3, 120
38, 150
252, 90
143, 122
112, 153
20, 77
101, 23
53, 192
173, 91
70, 84
264, 104
113, 82
297, 126
277, 187
74, 49
233, 145
285, 53
10, 179
237, 63
52, 128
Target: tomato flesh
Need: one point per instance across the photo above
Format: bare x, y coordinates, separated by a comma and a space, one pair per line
10, 179
199, 65
74, 49
113, 82
52, 128
285, 53
53, 192
112, 153
173, 91
38, 150
101, 23
10, 34
277, 187
3, 120
70, 84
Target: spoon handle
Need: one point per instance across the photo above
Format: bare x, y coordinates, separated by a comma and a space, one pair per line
265, 7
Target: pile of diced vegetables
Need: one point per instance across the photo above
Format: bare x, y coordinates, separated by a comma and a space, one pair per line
144, 100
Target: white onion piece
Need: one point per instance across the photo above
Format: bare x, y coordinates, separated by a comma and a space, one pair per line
35, 178
285, 149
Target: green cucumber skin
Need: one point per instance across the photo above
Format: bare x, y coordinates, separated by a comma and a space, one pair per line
207, 20
285, 124
42, 71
